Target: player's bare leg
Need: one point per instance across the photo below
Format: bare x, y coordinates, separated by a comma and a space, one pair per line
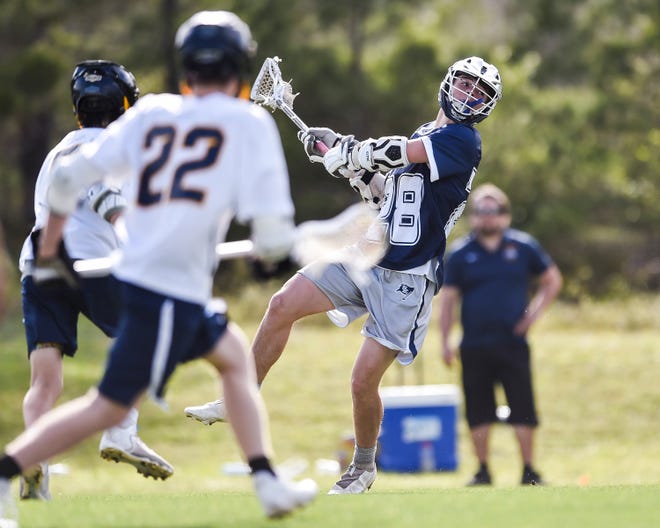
46, 384
370, 366
247, 415
64, 427
244, 405
298, 298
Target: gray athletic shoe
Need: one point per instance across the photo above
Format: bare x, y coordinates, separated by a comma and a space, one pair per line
34, 485
123, 445
208, 413
278, 497
353, 481
8, 509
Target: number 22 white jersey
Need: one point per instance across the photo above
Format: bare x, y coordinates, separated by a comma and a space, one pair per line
190, 164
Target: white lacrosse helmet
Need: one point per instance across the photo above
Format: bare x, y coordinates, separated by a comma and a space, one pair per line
474, 102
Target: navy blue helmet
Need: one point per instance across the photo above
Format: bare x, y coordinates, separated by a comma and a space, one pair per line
101, 91
215, 46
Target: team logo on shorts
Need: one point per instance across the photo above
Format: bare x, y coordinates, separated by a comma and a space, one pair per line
405, 291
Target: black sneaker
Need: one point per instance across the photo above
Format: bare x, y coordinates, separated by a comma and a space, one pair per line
531, 478
481, 478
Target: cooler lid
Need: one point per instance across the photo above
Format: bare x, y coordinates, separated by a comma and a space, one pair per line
419, 395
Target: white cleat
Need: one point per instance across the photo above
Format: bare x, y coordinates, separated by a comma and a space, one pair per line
354, 481
8, 508
208, 413
278, 497
35, 484
123, 445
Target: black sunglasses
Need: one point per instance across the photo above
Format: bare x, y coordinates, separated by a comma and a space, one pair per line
490, 211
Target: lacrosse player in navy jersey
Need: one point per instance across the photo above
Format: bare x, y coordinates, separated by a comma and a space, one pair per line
101, 91
421, 186
190, 162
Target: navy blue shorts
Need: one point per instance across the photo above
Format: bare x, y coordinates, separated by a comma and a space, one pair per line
483, 368
155, 334
50, 315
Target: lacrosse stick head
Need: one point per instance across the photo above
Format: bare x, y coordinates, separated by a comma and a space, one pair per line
354, 238
269, 89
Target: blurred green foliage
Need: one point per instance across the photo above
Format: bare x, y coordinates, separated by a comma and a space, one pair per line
574, 142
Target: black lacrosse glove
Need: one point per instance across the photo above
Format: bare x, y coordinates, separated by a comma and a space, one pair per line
53, 272
263, 271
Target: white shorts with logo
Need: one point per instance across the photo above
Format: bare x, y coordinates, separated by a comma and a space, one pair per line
398, 303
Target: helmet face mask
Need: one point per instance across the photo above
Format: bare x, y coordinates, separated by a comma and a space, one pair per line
101, 91
215, 46
470, 90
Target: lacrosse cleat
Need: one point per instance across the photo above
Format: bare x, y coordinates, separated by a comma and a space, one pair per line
353, 481
208, 413
124, 445
34, 484
8, 508
278, 497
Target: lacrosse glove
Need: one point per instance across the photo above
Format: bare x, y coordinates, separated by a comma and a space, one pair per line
52, 272
314, 135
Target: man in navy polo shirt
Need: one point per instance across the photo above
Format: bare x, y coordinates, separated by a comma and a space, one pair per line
491, 271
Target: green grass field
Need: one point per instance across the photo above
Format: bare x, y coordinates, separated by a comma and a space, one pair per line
596, 368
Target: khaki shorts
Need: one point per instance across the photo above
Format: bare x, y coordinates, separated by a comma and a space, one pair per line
398, 303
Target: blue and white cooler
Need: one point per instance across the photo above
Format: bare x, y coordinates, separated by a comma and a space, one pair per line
419, 429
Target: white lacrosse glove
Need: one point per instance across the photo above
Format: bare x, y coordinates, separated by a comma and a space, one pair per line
106, 201
336, 160
315, 134
371, 186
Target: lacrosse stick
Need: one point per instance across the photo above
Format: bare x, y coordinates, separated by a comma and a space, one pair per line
350, 238
271, 90
99, 267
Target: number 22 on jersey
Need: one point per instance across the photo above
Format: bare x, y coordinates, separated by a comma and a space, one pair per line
168, 140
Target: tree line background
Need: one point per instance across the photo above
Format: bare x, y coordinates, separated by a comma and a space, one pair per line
574, 141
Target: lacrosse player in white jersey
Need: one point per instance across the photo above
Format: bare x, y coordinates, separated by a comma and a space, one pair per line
190, 162
100, 91
420, 185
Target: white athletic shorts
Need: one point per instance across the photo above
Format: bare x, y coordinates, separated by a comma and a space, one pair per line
398, 303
